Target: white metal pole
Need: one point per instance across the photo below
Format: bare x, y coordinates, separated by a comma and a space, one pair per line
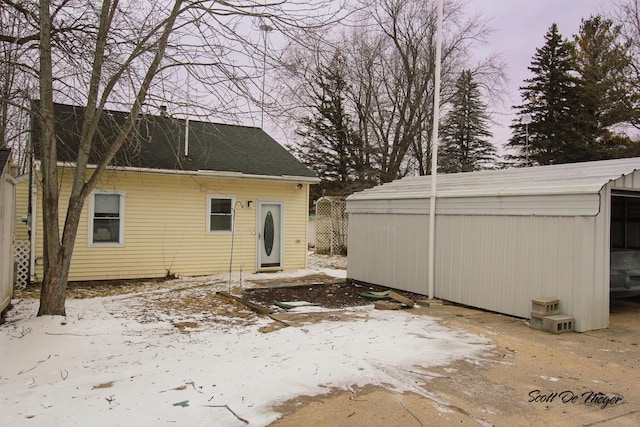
434, 154
526, 130
526, 119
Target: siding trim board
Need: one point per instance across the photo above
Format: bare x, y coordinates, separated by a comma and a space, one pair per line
555, 205
203, 173
497, 252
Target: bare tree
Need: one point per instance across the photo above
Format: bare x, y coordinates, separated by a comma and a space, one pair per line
627, 15
133, 55
402, 118
16, 83
395, 100
390, 66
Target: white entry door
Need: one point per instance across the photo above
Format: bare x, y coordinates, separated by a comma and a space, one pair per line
270, 220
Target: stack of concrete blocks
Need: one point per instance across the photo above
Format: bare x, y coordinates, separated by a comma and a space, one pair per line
545, 316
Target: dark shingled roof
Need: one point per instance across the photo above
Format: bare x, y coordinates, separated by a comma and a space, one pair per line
159, 142
4, 158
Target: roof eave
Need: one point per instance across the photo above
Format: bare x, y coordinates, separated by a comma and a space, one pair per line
207, 173
457, 195
240, 175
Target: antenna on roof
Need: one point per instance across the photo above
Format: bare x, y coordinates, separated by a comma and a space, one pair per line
264, 28
186, 122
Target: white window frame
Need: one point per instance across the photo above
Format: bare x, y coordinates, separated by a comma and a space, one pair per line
120, 241
232, 200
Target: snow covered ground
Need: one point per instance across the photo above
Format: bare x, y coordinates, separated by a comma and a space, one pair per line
126, 360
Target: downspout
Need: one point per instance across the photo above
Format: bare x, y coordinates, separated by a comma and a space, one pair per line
434, 154
33, 223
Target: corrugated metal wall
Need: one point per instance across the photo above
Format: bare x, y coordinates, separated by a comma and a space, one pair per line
389, 250
498, 262
501, 263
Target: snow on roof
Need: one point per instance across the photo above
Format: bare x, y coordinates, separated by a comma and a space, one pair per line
571, 178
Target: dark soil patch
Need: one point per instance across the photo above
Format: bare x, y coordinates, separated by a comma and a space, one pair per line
328, 295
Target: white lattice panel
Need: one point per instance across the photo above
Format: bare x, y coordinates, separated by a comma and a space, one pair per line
22, 250
331, 226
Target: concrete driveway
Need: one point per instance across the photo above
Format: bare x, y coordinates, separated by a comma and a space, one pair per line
530, 378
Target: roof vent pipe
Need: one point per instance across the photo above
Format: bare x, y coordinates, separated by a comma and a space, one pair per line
186, 137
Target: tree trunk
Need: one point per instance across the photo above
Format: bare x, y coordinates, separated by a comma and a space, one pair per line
53, 294
54, 290
54, 283
58, 251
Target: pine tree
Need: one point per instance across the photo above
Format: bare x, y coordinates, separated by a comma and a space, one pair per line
329, 145
605, 95
465, 131
549, 99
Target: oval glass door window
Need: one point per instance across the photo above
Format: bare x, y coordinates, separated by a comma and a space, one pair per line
268, 233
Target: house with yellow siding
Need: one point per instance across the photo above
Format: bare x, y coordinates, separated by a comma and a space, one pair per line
182, 197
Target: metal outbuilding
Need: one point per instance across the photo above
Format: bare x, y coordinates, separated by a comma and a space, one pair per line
502, 237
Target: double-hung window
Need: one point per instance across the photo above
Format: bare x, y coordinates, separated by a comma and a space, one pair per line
106, 222
219, 214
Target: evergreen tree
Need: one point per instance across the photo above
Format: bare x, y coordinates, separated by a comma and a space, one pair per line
580, 96
329, 145
549, 98
465, 135
605, 95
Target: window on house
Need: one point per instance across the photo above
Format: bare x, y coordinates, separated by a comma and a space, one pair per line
220, 216
106, 225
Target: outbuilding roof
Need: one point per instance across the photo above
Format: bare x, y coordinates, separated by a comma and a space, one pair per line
570, 178
541, 190
159, 144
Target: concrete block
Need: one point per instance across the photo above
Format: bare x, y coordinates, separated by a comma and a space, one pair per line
430, 303
397, 297
542, 307
558, 324
387, 305
535, 323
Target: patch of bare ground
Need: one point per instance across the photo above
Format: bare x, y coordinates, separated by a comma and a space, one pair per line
187, 306
339, 294
190, 309
101, 288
